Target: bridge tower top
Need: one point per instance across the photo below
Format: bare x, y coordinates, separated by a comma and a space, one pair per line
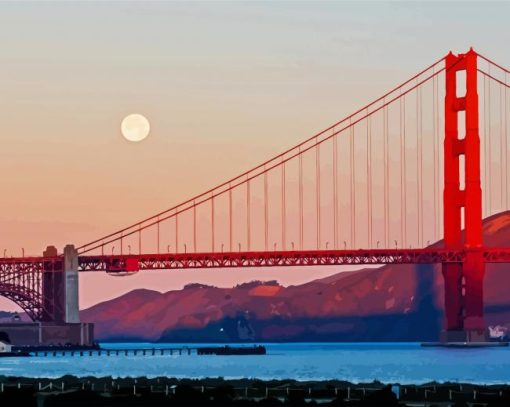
462, 154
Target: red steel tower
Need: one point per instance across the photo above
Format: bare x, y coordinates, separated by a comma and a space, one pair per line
463, 204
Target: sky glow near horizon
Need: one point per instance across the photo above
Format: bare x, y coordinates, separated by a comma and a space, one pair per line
225, 86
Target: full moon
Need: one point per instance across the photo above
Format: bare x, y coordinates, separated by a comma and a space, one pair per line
135, 127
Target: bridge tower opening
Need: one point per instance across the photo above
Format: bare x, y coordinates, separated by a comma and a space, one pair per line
463, 281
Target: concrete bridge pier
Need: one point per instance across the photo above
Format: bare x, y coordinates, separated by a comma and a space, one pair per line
60, 322
72, 309
60, 288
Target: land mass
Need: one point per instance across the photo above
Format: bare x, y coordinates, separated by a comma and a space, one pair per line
390, 303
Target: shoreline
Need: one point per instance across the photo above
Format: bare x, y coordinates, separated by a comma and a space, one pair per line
242, 379
109, 391
212, 379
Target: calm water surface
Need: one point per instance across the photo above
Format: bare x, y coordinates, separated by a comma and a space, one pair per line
386, 362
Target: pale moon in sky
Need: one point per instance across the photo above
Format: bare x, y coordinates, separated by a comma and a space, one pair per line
135, 127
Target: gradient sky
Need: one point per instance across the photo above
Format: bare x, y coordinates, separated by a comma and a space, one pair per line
225, 86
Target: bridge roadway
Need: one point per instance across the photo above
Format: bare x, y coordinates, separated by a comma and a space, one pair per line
127, 263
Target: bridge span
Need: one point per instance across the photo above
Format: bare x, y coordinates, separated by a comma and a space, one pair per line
407, 169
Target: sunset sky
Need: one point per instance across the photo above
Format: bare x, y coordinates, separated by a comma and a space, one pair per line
225, 85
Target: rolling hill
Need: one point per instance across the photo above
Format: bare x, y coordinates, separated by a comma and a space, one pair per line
390, 303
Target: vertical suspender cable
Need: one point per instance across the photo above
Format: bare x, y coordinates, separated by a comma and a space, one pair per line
353, 185
404, 242
402, 167
139, 238
266, 212
248, 215
230, 217
194, 226
301, 215
501, 144
335, 192
386, 177
434, 155
318, 191
417, 169
284, 221
369, 182
419, 165
420, 155
421, 169
157, 229
212, 223
177, 230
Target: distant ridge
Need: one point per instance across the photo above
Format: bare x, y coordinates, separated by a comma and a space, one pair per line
390, 303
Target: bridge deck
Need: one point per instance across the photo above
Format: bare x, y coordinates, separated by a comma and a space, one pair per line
170, 261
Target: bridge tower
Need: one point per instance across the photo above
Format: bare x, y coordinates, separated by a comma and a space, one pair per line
463, 204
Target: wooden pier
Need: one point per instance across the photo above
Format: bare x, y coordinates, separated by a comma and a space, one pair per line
185, 350
116, 352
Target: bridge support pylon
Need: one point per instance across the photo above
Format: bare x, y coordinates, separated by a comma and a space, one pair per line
60, 288
463, 206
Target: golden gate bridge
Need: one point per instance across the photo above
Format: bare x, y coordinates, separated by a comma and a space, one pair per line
399, 181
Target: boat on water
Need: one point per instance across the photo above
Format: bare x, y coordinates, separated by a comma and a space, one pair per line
232, 350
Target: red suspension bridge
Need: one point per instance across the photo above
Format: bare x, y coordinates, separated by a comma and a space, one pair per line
378, 187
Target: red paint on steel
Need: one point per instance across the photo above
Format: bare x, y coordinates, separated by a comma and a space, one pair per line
463, 280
